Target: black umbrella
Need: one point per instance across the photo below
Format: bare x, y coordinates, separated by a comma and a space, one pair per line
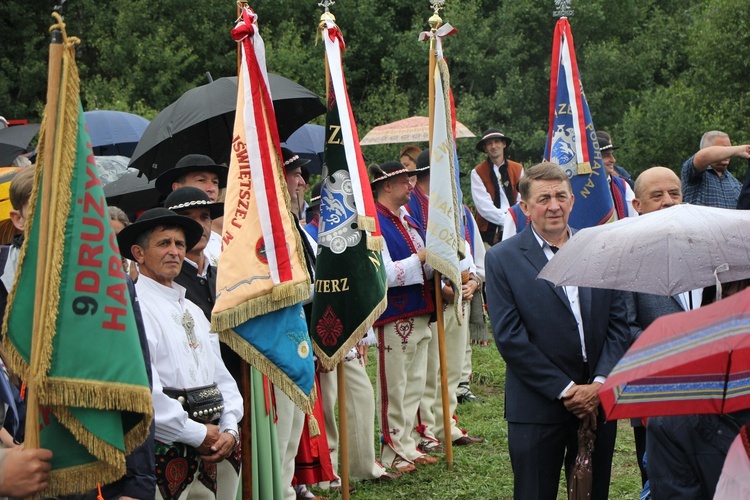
202, 121
15, 140
132, 193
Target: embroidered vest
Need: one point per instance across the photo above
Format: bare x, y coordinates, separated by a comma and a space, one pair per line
468, 228
618, 189
418, 206
484, 171
312, 227
403, 301
519, 218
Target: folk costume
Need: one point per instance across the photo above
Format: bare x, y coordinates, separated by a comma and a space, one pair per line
494, 189
403, 335
188, 374
183, 355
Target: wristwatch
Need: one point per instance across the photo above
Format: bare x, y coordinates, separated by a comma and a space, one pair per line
235, 435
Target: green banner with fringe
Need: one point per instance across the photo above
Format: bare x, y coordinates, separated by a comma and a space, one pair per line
84, 360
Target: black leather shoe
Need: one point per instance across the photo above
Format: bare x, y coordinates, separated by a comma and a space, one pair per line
466, 440
468, 397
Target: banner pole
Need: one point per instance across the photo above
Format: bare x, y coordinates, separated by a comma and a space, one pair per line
435, 22
246, 438
343, 432
51, 111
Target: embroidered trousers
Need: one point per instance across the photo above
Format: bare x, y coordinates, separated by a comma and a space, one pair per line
431, 406
360, 419
402, 362
289, 431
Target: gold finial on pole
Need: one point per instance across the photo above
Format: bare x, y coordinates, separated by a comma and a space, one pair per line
435, 20
325, 16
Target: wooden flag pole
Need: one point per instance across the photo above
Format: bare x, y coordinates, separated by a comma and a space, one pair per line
53, 94
435, 22
246, 435
343, 430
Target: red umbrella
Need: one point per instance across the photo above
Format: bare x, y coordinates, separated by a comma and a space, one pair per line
690, 362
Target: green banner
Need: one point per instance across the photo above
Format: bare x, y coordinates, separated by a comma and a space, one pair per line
89, 373
350, 280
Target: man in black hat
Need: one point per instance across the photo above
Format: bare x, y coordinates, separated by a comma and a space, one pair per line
608, 157
197, 405
402, 330
197, 275
494, 185
202, 172
621, 192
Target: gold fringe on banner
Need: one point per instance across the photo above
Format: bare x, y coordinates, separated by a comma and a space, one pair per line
235, 316
330, 363
258, 361
366, 223
375, 243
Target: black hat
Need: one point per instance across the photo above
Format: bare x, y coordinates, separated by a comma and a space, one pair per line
154, 218
191, 163
315, 195
292, 160
189, 197
423, 161
492, 133
388, 169
605, 141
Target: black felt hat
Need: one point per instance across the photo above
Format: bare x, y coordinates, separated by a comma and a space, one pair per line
154, 218
492, 133
190, 197
605, 141
388, 169
187, 164
423, 161
292, 160
315, 195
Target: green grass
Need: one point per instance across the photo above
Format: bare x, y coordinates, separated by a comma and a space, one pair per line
483, 471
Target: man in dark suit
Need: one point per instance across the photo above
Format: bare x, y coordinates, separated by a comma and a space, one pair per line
558, 343
656, 188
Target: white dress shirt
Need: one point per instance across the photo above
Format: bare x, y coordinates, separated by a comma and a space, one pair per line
213, 248
178, 360
407, 271
571, 292
483, 201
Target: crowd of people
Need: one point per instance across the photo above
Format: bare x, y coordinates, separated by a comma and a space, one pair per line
559, 344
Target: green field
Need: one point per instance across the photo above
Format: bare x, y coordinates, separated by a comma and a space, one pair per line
483, 471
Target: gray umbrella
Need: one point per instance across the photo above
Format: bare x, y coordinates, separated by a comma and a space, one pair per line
665, 253
14, 141
202, 121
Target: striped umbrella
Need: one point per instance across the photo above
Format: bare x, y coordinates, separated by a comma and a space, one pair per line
685, 363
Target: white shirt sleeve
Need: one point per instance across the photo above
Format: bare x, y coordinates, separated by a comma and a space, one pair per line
402, 272
509, 228
629, 197
171, 421
233, 409
483, 201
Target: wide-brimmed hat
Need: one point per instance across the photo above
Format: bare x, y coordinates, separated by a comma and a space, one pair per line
388, 169
423, 161
492, 133
315, 195
154, 218
191, 197
605, 141
292, 160
187, 164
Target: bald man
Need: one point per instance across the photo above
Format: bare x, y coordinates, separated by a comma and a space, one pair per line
655, 189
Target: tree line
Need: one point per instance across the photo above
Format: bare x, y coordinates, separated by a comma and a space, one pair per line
657, 73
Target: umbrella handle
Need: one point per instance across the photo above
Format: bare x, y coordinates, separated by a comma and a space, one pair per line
721, 269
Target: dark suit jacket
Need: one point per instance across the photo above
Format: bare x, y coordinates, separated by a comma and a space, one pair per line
537, 334
644, 308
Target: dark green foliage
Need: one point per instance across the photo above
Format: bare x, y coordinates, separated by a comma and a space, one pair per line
657, 74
